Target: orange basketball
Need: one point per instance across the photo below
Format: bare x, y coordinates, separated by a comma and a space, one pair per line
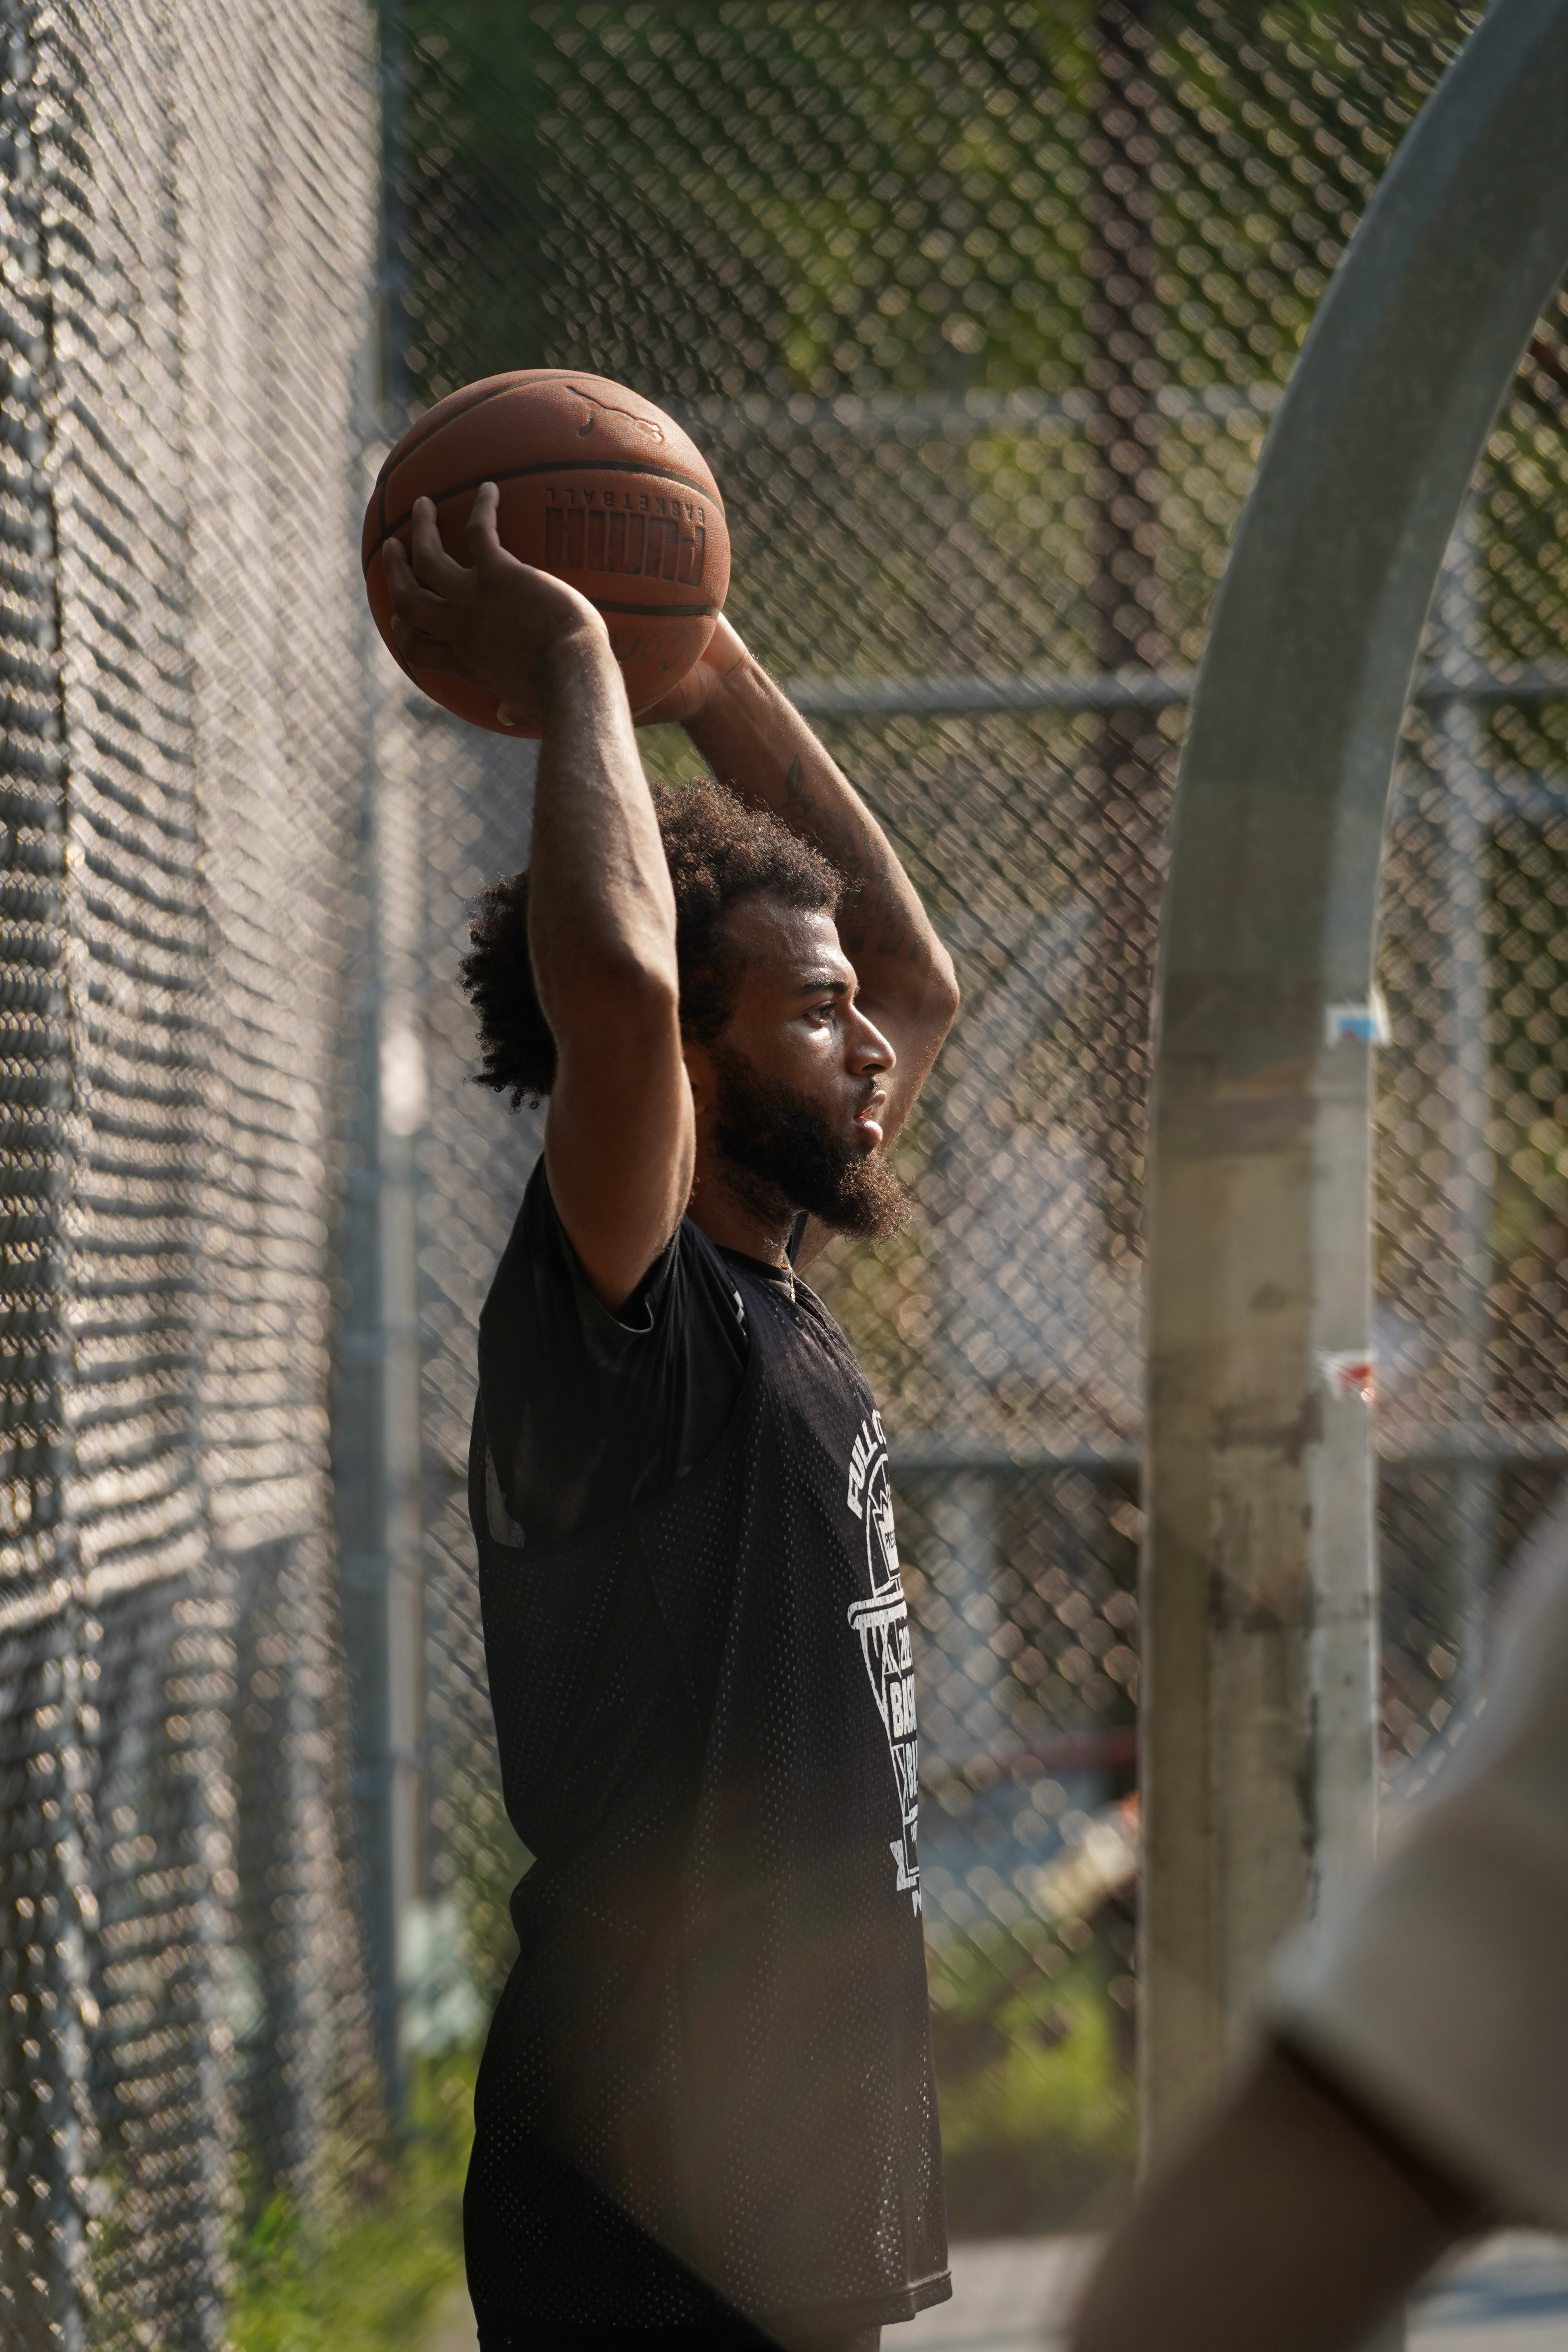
597, 486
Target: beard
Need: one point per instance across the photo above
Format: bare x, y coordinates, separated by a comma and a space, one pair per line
781, 1155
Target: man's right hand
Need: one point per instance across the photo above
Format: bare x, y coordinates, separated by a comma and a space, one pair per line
496, 621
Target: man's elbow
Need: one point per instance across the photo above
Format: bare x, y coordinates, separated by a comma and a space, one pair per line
929, 1010
940, 1004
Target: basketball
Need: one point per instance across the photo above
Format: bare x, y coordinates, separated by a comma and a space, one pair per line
597, 486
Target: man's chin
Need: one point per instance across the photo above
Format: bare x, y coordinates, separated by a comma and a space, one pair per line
863, 1197
872, 1203
781, 1148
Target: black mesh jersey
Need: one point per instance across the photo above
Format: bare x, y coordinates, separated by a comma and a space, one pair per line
707, 2091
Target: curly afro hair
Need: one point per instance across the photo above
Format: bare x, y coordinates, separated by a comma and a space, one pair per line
720, 851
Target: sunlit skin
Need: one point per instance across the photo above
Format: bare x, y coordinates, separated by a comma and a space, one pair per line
796, 1019
848, 1015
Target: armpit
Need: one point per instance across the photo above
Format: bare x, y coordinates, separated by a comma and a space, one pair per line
503, 1527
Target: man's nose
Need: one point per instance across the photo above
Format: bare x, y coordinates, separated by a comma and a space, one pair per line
869, 1049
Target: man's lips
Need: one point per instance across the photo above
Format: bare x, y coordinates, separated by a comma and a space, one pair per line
867, 1120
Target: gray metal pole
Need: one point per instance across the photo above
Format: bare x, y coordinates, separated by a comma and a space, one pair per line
376, 1445
1459, 762
1260, 1730
376, 1427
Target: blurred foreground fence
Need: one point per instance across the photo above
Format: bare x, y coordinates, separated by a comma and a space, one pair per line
981, 310
186, 223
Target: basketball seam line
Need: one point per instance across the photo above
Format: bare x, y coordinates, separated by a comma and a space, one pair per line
399, 454
554, 466
654, 612
416, 440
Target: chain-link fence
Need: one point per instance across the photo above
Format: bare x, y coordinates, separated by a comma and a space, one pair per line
981, 312
186, 207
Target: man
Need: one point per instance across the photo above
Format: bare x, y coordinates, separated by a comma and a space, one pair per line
706, 2107
1414, 2085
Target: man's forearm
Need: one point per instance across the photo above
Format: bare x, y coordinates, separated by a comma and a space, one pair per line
758, 744
600, 899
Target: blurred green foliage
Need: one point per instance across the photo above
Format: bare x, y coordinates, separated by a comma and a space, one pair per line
804, 198
504, 103
368, 2277
1039, 2126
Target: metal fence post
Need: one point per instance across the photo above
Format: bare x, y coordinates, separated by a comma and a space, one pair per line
376, 1450
1460, 762
1129, 606
376, 1441
1260, 1738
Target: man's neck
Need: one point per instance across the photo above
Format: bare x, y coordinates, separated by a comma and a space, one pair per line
751, 1228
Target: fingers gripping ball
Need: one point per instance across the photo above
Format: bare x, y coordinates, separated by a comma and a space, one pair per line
597, 486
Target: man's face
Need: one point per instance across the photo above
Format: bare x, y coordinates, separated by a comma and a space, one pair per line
801, 1076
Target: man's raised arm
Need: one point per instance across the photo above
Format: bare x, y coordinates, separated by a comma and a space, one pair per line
757, 744
619, 1136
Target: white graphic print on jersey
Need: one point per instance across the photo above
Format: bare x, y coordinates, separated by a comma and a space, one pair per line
882, 1623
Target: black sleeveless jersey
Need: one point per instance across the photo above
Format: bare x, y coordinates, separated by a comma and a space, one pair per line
708, 2087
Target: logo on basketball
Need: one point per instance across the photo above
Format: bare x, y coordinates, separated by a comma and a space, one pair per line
882, 1624
643, 423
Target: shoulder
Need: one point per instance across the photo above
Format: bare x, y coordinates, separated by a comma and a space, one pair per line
540, 1280
540, 1268
587, 1411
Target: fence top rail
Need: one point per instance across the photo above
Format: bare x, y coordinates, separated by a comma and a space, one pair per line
854, 698
1502, 1445
1109, 690
957, 415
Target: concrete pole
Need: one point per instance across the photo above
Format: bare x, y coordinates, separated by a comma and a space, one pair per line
1259, 1732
